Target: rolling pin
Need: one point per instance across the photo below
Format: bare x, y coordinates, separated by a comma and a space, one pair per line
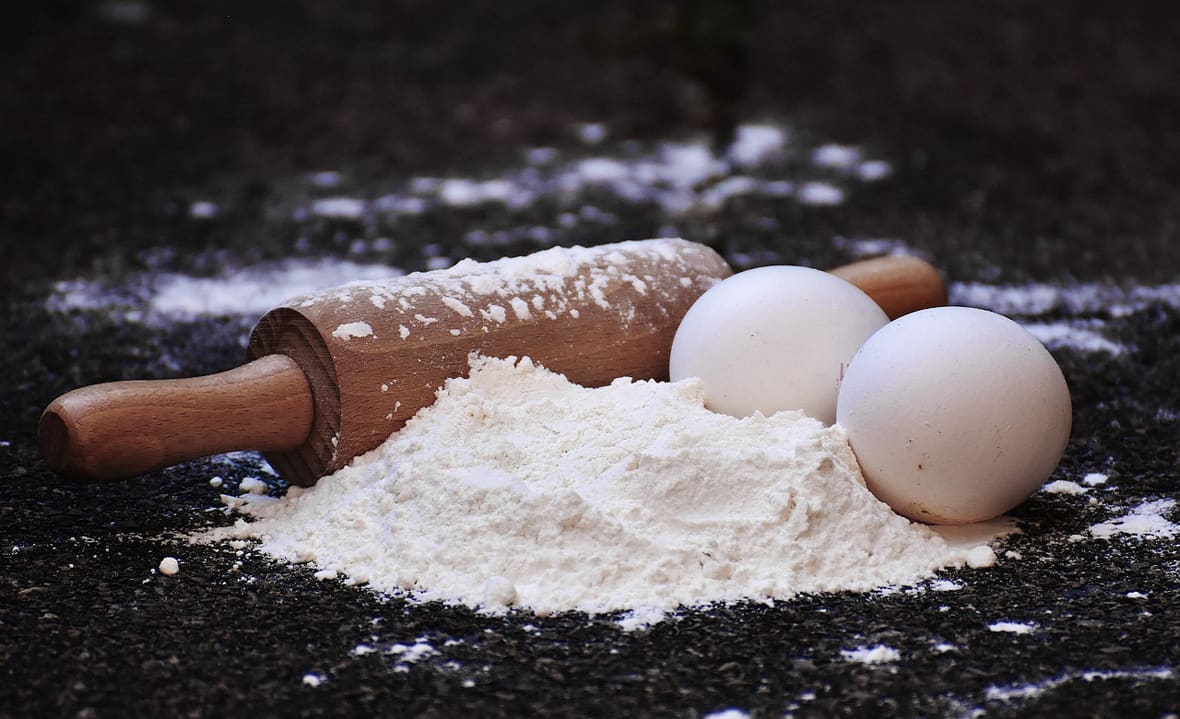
330, 376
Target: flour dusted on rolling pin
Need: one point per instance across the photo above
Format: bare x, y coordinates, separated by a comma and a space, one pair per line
518, 487
479, 296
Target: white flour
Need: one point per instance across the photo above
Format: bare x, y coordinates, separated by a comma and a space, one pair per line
520, 488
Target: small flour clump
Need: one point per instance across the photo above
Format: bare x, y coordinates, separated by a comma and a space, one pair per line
519, 487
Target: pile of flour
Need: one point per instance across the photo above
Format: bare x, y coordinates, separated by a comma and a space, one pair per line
520, 488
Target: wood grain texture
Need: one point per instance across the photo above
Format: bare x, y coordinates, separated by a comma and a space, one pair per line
900, 284
376, 353
121, 429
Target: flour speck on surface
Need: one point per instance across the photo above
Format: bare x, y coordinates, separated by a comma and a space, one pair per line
349, 330
1064, 486
518, 488
879, 654
981, 557
169, 566
1013, 627
1095, 479
730, 713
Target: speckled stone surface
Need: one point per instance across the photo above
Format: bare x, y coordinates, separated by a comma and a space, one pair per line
1028, 143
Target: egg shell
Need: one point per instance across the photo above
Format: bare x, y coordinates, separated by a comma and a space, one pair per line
955, 414
774, 338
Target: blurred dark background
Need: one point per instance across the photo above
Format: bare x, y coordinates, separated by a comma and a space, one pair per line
1008, 122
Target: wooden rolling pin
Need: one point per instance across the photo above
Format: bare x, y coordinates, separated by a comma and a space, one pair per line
332, 375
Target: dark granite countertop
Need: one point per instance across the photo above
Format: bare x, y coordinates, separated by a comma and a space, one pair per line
1030, 150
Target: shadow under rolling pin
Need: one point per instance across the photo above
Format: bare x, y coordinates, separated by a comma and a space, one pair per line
330, 376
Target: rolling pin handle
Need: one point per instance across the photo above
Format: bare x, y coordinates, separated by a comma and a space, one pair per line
122, 429
900, 284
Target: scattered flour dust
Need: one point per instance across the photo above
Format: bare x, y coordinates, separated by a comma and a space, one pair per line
520, 488
879, 654
1146, 520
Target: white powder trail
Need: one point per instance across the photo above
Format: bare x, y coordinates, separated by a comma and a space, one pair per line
1080, 335
1145, 520
1020, 692
1076, 299
519, 488
251, 291
676, 176
244, 291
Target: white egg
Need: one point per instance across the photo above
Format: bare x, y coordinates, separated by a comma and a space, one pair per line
956, 415
774, 338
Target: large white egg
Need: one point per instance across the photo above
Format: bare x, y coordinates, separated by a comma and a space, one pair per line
956, 415
774, 338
